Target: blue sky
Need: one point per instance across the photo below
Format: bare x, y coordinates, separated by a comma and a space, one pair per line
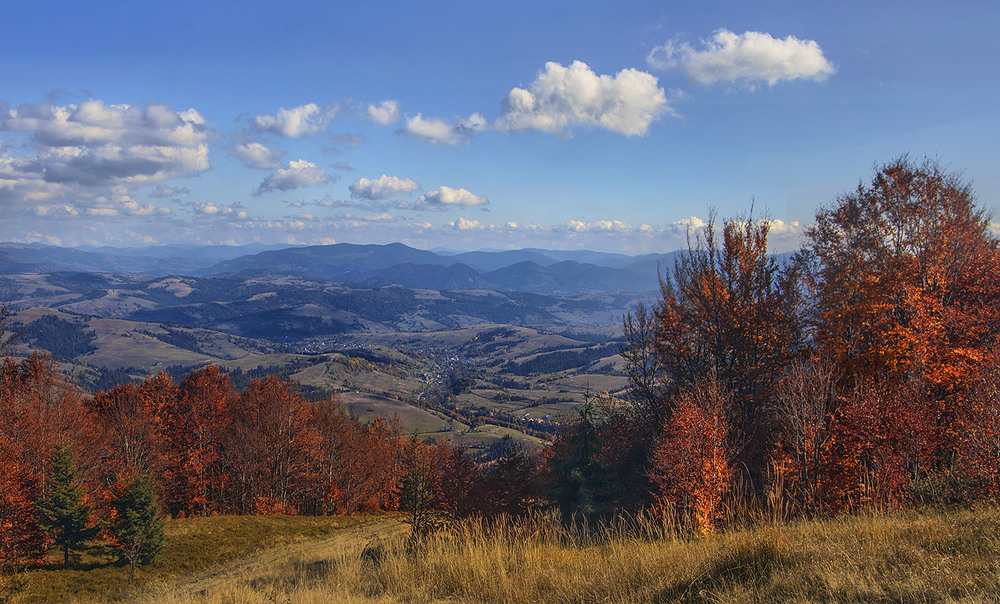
610, 126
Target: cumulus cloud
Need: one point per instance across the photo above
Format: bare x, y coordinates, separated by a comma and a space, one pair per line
781, 228
382, 187
385, 113
77, 150
598, 226
233, 211
562, 98
688, 224
299, 173
446, 196
256, 155
463, 224
438, 132
297, 121
745, 59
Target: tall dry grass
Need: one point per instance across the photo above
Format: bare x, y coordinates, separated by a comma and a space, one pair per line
909, 557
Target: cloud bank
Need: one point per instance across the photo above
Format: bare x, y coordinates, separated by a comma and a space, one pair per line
84, 153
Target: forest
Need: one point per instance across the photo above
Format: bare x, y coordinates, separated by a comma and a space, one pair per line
861, 374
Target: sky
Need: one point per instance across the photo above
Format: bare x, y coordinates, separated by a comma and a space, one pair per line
613, 126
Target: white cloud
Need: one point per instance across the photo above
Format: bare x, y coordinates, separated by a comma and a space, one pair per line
35, 237
382, 187
463, 224
780, 228
688, 224
299, 173
598, 226
297, 121
745, 59
78, 150
385, 113
256, 155
562, 98
383, 217
440, 133
446, 196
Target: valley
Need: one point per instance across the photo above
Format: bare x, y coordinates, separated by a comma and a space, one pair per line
477, 366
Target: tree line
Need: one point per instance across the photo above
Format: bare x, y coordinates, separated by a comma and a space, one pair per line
199, 447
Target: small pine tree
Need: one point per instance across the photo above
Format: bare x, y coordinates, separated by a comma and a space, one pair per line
64, 515
137, 532
578, 472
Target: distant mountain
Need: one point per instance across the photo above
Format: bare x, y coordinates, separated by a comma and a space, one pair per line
491, 261
563, 272
333, 262
535, 271
211, 252
17, 258
20, 258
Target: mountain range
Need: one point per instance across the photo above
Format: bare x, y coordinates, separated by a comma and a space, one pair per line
527, 270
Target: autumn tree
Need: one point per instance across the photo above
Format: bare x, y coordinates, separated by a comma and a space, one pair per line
730, 313
20, 537
693, 465
980, 449
65, 515
454, 482
194, 426
269, 448
39, 409
127, 415
509, 485
881, 440
416, 490
906, 284
805, 400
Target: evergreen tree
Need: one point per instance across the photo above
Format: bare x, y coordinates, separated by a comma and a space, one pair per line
137, 531
578, 471
64, 514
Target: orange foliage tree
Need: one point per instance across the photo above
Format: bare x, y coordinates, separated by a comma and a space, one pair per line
20, 538
907, 286
269, 448
881, 439
693, 464
194, 426
980, 448
730, 312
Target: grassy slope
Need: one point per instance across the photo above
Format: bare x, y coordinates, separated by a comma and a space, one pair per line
910, 557
193, 546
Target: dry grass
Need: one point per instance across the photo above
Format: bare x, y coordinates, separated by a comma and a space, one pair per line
193, 546
910, 557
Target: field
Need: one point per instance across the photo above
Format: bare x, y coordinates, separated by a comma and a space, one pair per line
916, 556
